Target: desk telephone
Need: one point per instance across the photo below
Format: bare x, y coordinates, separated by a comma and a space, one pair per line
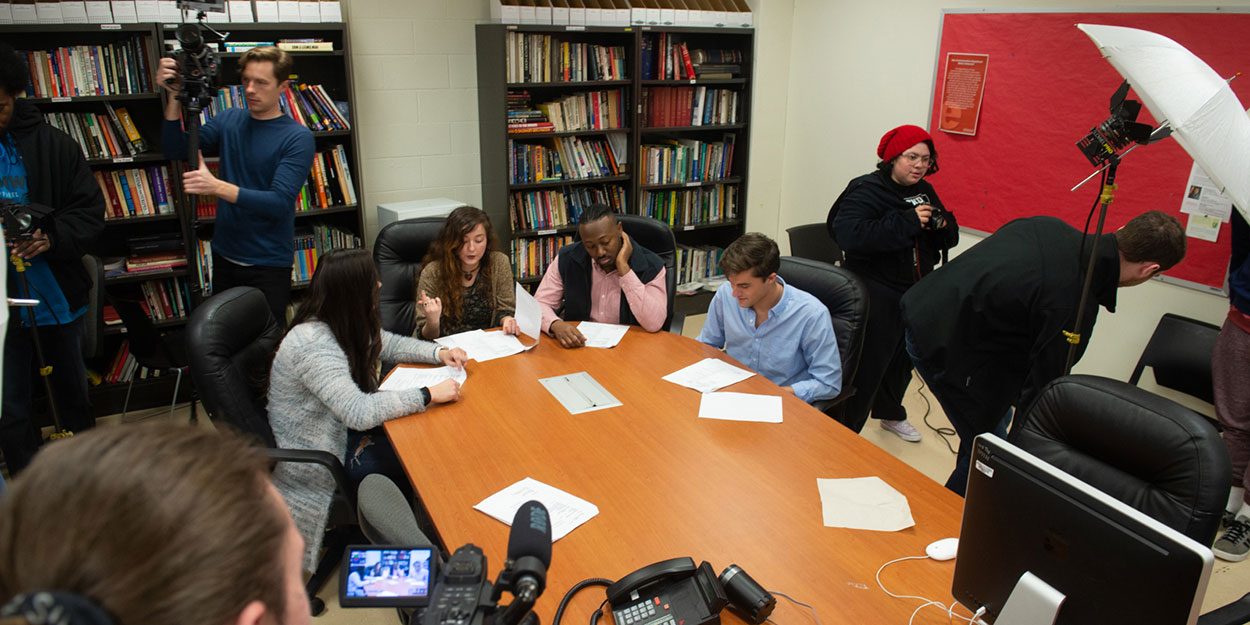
676, 592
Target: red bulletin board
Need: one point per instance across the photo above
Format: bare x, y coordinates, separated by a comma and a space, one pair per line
1047, 85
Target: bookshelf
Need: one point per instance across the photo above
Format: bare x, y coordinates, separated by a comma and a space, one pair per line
146, 207
671, 105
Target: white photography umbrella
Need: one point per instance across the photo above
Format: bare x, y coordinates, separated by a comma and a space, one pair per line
1204, 114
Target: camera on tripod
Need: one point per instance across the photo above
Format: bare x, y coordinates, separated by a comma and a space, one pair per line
457, 593
22, 220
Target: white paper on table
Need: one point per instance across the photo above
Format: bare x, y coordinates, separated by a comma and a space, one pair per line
708, 375
740, 407
403, 378
603, 335
481, 345
1203, 227
566, 511
579, 392
1203, 197
529, 315
863, 503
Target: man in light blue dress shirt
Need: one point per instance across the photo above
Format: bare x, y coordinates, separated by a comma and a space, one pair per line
777, 330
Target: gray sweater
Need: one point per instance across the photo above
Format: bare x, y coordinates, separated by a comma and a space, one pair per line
312, 403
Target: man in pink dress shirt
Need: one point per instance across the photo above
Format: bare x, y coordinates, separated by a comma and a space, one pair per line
605, 277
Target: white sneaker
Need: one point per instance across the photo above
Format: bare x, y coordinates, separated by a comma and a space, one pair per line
903, 429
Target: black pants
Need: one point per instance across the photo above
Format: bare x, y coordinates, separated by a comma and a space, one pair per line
62, 350
884, 367
274, 282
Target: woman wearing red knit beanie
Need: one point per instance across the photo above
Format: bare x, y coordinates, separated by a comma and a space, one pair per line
893, 229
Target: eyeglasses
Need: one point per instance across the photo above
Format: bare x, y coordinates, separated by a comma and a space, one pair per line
910, 157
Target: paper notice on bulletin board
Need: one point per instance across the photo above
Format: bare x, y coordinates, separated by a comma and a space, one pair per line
962, 88
1203, 197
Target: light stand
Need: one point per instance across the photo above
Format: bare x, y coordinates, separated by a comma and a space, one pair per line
45, 371
1105, 198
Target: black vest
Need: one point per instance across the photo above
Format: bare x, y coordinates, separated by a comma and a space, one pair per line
575, 271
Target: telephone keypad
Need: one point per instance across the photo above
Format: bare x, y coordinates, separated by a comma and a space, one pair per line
639, 613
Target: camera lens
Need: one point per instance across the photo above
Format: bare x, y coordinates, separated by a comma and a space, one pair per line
751, 600
190, 39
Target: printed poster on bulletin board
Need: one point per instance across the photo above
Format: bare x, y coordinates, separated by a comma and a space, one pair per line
962, 89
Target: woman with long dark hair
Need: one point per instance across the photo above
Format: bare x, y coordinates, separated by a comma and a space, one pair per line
466, 282
323, 387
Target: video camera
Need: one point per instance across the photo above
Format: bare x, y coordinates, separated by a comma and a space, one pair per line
198, 62
22, 220
459, 594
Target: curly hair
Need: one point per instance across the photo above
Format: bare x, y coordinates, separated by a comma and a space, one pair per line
443, 254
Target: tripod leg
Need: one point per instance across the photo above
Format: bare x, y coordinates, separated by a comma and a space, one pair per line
174, 401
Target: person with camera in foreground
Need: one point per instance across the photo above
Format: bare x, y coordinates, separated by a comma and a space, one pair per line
894, 229
157, 524
988, 330
43, 171
265, 158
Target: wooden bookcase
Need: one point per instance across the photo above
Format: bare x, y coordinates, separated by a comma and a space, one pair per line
504, 187
331, 69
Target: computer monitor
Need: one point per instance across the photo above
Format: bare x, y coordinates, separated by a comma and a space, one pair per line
1042, 537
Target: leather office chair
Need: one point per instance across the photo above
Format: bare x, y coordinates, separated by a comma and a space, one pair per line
813, 241
231, 338
1179, 354
397, 252
152, 348
656, 236
844, 294
93, 319
1147, 451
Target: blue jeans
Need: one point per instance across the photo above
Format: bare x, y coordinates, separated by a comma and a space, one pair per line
371, 452
62, 349
962, 407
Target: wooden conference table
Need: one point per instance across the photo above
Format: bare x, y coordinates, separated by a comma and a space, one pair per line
669, 484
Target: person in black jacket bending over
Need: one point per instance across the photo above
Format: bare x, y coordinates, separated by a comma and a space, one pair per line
43, 167
986, 331
893, 229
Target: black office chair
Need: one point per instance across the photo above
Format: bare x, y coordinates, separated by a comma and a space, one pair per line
1147, 451
93, 319
656, 236
152, 348
232, 337
813, 241
397, 252
844, 294
1179, 354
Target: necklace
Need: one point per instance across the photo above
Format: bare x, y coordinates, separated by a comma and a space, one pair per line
469, 275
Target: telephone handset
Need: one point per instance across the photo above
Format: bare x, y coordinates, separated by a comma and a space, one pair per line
672, 592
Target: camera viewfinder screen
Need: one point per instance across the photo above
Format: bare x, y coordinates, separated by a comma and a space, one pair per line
387, 572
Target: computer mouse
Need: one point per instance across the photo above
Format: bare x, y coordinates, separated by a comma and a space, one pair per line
942, 550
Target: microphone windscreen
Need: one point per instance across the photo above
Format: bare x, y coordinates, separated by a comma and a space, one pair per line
385, 516
531, 533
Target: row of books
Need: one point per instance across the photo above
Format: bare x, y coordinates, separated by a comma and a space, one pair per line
168, 298
676, 161
165, 11
697, 263
565, 158
108, 135
665, 57
533, 57
595, 110
539, 210
311, 44
706, 13
692, 207
523, 116
310, 105
115, 68
689, 106
136, 192
530, 257
151, 262
124, 367
329, 183
315, 242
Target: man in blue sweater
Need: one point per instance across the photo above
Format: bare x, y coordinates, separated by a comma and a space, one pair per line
265, 158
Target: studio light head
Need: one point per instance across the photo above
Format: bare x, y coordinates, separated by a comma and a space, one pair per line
1121, 129
22, 220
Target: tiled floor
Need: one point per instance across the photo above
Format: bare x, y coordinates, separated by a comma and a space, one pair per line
931, 456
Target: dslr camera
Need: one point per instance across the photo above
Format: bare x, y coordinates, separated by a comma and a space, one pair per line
938, 218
